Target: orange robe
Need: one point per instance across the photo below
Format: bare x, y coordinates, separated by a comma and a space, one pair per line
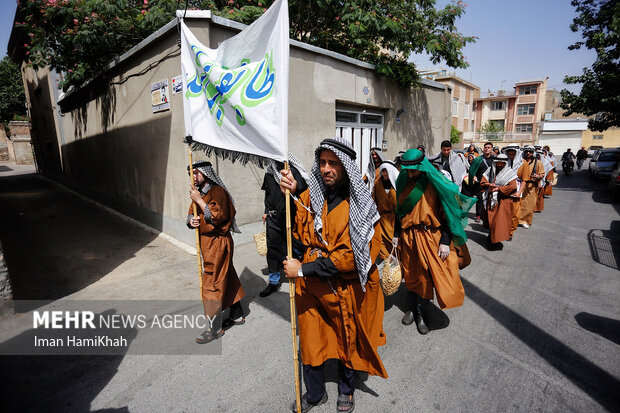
337, 319
386, 205
549, 187
516, 215
540, 200
421, 266
221, 287
499, 219
530, 193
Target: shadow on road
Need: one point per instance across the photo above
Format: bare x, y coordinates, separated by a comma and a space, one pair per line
57, 383
56, 243
435, 318
605, 245
579, 370
605, 327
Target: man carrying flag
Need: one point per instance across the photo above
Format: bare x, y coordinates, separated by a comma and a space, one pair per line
221, 288
339, 300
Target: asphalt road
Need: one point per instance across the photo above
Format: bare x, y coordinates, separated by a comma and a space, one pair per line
539, 330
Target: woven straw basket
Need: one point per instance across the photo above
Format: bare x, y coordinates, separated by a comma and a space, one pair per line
392, 276
261, 242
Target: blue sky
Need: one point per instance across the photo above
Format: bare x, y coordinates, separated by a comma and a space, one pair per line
524, 39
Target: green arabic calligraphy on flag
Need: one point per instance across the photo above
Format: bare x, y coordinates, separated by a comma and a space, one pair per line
236, 96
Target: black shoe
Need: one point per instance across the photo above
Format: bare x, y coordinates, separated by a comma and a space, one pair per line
306, 406
419, 307
408, 318
270, 289
419, 321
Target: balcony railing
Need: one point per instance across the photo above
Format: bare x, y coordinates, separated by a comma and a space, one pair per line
497, 137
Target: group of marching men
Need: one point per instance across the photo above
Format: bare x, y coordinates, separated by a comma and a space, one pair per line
345, 225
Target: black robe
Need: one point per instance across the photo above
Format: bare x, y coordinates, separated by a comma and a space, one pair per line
275, 225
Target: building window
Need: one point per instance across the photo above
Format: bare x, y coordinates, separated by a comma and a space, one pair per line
525, 109
348, 117
597, 137
455, 107
372, 119
497, 105
466, 114
528, 90
497, 123
523, 128
472, 125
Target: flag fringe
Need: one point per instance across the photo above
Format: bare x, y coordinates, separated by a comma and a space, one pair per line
233, 156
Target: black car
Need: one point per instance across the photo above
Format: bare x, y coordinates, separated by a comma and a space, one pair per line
603, 162
614, 183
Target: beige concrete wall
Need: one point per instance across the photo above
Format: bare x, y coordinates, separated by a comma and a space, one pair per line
611, 138
119, 152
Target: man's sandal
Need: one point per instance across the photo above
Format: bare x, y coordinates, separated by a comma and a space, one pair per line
345, 403
306, 406
209, 336
229, 322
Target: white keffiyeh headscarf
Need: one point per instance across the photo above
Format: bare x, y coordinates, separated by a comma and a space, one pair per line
391, 170
272, 168
458, 166
502, 178
516, 163
208, 171
371, 169
362, 209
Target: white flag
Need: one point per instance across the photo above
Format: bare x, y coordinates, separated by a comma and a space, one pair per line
236, 96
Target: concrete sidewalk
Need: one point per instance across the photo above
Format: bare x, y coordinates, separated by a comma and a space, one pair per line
514, 346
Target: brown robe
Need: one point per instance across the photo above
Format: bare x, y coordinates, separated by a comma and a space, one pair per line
516, 215
530, 192
540, 200
221, 287
549, 187
499, 219
421, 266
337, 319
386, 205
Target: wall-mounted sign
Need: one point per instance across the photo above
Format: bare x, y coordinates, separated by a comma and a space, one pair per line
159, 96
177, 84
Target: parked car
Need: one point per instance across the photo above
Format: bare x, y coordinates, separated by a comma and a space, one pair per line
603, 162
592, 149
614, 183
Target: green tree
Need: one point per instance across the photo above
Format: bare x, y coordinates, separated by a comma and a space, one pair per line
12, 97
454, 134
599, 22
79, 37
492, 131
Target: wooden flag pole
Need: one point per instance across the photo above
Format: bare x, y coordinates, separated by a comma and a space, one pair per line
291, 294
196, 230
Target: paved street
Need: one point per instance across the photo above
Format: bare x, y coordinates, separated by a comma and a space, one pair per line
539, 330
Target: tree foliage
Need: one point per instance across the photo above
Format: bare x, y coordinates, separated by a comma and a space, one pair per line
79, 37
454, 134
599, 22
12, 97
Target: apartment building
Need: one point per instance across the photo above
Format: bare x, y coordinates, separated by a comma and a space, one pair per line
517, 113
462, 98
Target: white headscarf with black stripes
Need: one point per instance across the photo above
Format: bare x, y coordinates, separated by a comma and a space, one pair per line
371, 168
208, 171
272, 168
362, 209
